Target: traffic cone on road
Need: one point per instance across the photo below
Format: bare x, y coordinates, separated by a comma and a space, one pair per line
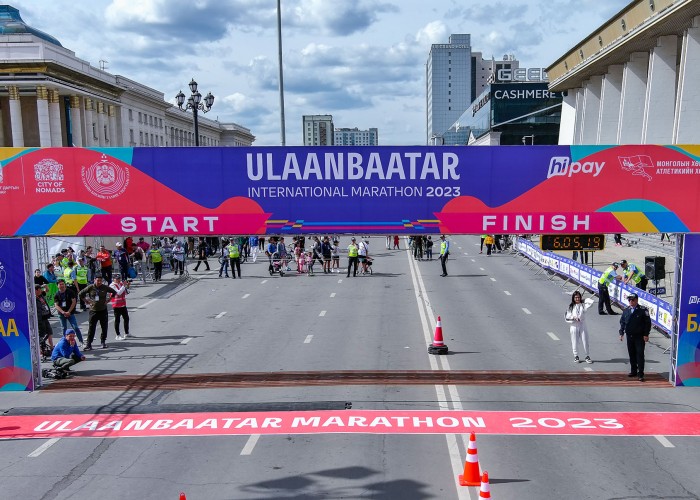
438, 346
471, 476
485, 490
183, 496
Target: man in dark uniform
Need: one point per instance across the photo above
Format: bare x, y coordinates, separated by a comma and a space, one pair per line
636, 323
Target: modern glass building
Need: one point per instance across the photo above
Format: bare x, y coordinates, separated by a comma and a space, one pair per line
356, 137
448, 83
509, 114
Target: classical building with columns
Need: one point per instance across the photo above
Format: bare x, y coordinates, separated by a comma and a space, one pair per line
49, 97
635, 79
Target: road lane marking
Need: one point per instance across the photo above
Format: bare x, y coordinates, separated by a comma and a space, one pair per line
482, 269
526, 310
263, 282
308, 339
588, 369
552, 336
340, 281
146, 304
41, 449
246, 296
664, 442
186, 340
322, 313
473, 260
220, 315
250, 444
332, 295
493, 279
506, 292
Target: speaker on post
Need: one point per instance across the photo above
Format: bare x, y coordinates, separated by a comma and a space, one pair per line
655, 268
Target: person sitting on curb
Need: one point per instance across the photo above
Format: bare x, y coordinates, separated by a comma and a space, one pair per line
66, 353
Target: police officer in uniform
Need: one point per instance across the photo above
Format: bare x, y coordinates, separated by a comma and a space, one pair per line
605, 280
353, 250
444, 254
636, 323
632, 273
234, 255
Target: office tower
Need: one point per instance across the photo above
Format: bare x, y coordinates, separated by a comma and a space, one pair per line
318, 130
356, 137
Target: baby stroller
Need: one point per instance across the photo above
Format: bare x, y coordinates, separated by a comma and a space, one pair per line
277, 264
44, 347
368, 261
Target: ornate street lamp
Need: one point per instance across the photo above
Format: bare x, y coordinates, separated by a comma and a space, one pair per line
194, 102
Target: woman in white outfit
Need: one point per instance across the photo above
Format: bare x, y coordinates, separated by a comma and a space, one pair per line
576, 317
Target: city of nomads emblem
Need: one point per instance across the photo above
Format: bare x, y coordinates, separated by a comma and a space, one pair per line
105, 179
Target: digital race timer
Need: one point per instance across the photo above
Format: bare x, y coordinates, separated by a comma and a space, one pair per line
572, 242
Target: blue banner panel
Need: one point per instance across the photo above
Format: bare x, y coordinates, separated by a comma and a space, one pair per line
15, 346
688, 356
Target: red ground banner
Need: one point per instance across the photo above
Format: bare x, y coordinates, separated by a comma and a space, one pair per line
359, 422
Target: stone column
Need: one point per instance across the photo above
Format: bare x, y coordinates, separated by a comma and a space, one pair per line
101, 124
89, 122
2, 132
659, 109
610, 93
112, 114
16, 117
42, 111
578, 126
76, 121
634, 89
685, 129
55, 119
591, 109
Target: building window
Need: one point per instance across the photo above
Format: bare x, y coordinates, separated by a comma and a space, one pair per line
131, 115
140, 117
131, 135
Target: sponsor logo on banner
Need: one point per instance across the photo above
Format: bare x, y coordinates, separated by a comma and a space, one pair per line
636, 165
48, 175
105, 179
694, 299
7, 306
3, 187
562, 166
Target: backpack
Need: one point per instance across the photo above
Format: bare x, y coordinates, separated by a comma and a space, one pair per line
131, 273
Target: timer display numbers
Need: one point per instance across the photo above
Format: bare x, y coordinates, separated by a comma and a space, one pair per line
589, 242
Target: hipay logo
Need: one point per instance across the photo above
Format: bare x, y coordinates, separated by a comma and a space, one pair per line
561, 165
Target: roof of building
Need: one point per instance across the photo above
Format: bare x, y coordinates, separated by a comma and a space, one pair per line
11, 23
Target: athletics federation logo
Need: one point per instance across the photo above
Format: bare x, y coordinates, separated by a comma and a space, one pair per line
7, 306
105, 179
636, 165
3, 275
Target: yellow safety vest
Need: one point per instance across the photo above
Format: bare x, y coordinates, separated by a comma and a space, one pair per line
233, 251
606, 278
352, 250
443, 247
81, 273
636, 277
156, 256
66, 276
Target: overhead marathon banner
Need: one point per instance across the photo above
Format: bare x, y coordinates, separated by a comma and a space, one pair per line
659, 310
397, 190
15, 346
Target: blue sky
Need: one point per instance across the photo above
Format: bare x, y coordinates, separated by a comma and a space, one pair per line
363, 61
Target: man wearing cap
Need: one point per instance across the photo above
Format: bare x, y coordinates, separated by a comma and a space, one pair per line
104, 257
606, 279
636, 323
97, 295
444, 254
633, 274
66, 353
122, 258
353, 251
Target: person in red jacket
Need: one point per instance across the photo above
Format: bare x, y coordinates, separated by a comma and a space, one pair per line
120, 290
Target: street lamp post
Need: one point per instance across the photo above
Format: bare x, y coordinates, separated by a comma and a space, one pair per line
194, 102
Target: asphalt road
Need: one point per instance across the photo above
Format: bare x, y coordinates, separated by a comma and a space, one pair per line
497, 315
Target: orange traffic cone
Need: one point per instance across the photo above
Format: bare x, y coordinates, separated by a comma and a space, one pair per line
183, 496
471, 476
438, 346
485, 490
